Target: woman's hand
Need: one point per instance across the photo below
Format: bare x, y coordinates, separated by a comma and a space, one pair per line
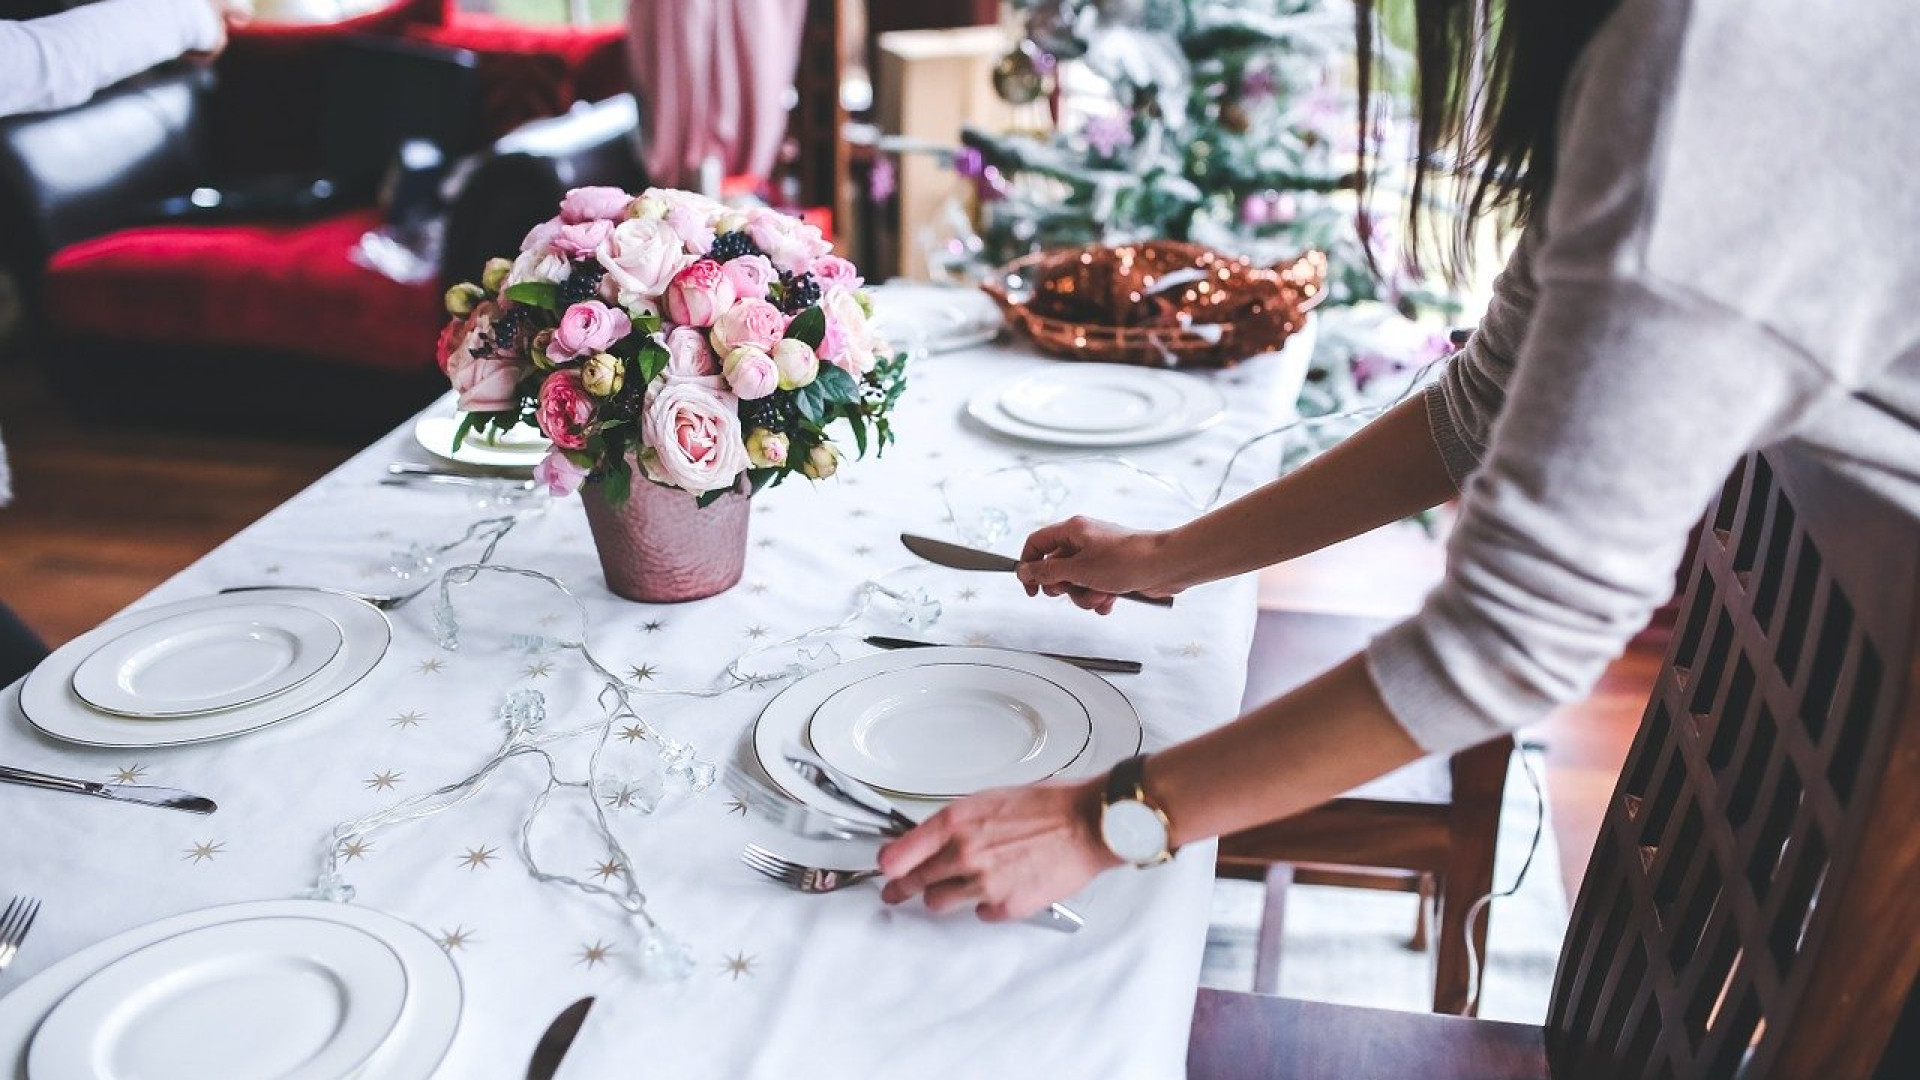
1093, 562
1008, 853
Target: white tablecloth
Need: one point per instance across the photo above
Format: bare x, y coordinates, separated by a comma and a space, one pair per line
785, 986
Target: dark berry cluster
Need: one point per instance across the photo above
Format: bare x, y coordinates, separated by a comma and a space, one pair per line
582, 284
798, 293
775, 412
508, 330
731, 245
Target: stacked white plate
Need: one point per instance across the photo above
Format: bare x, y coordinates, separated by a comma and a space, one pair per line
518, 448
933, 724
206, 668
941, 318
287, 989
1099, 405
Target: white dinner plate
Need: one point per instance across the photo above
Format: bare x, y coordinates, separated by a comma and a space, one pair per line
519, 447
49, 703
420, 1039
1111, 398
947, 730
1116, 731
281, 998
942, 318
200, 661
1197, 407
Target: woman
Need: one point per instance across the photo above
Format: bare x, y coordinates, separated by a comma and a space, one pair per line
1718, 200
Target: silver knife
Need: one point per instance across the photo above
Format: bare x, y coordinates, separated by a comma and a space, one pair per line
558, 1038
1090, 663
168, 798
966, 558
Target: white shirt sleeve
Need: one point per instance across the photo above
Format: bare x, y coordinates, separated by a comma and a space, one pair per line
62, 60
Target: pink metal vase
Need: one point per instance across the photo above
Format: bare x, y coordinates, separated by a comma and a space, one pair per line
662, 547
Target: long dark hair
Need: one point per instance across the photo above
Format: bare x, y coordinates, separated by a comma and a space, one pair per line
1490, 76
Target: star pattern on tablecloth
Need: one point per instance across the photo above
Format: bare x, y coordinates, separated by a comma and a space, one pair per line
1200, 462
621, 798
355, 848
539, 669
863, 550
595, 953
129, 774
632, 733
549, 618
653, 626
1192, 649
978, 640
764, 542
383, 781
410, 718
737, 965
478, 858
1123, 490
204, 851
273, 569
639, 673
607, 870
757, 588
857, 512
737, 806
456, 938
430, 666
756, 631
967, 594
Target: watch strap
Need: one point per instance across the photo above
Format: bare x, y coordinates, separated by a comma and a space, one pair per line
1124, 782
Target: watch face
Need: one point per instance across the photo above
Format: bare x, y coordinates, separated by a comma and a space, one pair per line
1133, 831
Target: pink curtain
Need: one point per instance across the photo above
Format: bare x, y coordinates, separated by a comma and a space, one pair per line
713, 77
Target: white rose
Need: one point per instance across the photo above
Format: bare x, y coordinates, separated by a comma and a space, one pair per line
692, 436
540, 264
856, 335
641, 257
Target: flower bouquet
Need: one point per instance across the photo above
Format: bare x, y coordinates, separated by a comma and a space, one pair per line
706, 348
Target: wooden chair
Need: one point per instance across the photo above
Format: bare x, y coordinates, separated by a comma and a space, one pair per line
1432, 826
1751, 905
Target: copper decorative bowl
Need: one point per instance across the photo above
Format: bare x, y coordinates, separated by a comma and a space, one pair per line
1157, 303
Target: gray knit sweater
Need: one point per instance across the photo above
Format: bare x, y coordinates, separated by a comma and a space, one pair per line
1730, 259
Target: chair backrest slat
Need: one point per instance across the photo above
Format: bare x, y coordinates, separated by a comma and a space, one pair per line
1751, 905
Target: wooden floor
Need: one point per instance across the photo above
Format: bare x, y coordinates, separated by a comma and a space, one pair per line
103, 515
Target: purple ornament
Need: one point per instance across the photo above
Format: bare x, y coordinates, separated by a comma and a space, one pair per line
882, 180
1108, 135
969, 162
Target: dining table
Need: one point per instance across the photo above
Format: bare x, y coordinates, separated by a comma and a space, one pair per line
780, 984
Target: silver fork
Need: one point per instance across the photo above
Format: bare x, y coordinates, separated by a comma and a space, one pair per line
384, 603
800, 877
14, 924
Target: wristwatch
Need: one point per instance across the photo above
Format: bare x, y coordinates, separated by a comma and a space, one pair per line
1133, 827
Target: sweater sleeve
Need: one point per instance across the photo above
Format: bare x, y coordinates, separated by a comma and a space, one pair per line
1464, 401
62, 60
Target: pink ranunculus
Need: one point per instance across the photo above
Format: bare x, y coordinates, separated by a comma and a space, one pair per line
699, 294
642, 257
750, 372
689, 356
566, 410
483, 375
791, 243
558, 474
692, 436
796, 362
751, 275
594, 204
584, 240
847, 331
831, 270
541, 235
748, 322
588, 327
693, 227
451, 335
538, 260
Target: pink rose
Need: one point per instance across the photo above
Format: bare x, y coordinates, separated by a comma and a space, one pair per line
750, 372
699, 294
749, 322
849, 342
689, 357
566, 410
796, 362
588, 327
791, 243
641, 258
584, 240
451, 335
751, 275
695, 229
538, 261
692, 436
594, 204
831, 270
558, 474
541, 235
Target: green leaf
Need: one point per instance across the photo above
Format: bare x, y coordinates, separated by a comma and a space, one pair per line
466, 425
708, 498
540, 294
619, 483
809, 326
759, 478
835, 384
811, 402
859, 433
652, 361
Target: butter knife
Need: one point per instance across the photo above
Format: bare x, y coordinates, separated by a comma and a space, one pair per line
965, 558
1090, 663
168, 798
553, 1045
